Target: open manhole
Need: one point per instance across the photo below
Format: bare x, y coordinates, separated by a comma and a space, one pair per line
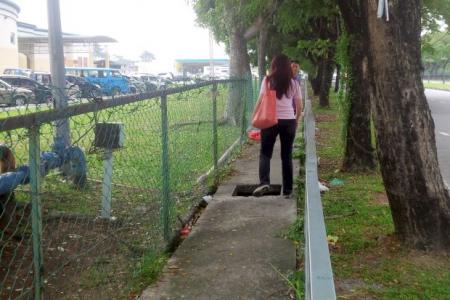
246, 190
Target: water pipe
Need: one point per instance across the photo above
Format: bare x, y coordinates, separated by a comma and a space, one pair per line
71, 160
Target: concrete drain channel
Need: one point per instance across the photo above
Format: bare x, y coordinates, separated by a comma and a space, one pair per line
246, 190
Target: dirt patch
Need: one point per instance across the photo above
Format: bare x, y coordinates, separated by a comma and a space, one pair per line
353, 289
250, 151
85, 258
430, 258
327, 164
380, 199
325, 118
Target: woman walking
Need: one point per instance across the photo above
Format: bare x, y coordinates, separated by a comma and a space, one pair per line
288, 110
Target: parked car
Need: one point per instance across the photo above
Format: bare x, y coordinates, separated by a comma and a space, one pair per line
87, 89
152, 82
136, 86
10, 95
166, 75
111, 81
44, 78
18, 71
42, 94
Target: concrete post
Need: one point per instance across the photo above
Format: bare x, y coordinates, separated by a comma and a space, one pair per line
56, 52
107, 59
107, 184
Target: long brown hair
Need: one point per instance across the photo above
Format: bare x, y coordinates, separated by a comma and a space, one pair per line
280, 75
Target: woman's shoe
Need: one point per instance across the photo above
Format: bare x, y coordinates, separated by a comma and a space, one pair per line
261, 190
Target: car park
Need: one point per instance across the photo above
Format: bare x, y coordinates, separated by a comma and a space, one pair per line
42, 94
10, 95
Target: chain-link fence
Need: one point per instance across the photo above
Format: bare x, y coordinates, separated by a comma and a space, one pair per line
81, 210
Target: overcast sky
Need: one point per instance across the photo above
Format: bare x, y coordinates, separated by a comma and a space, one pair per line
166, 28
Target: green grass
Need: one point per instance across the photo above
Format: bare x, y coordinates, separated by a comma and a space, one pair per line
148, 269
138, 164
368, 262
434, 84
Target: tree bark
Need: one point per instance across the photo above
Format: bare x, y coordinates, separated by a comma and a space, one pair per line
239, 68
327, 77
316, 82
359, 153
406, 142
262, 51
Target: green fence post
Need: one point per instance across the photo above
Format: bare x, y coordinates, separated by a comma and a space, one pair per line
166, 205
243, 83
36, 213
215, 137
250, 96
256, 89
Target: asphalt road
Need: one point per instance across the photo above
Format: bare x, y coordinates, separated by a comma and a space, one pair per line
439, 102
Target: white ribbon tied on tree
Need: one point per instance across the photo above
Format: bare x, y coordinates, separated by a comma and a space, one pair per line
383, 9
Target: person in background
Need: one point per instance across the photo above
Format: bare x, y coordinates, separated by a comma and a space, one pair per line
295, 66
287, 90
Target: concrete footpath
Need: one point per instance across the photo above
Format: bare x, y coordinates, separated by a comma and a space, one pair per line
236, 249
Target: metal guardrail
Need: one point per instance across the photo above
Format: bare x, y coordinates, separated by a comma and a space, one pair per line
319, 284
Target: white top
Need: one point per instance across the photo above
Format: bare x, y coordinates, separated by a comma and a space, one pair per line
285, 105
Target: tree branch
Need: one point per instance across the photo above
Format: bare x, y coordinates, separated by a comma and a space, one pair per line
254, 29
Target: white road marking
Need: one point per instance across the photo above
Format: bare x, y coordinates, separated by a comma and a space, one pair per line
444, 133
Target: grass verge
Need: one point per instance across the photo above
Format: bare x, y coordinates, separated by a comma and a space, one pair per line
436, 85
368, 262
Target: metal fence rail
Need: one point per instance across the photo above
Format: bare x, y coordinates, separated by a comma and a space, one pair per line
86, 219
319, 284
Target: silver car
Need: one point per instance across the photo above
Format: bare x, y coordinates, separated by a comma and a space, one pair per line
10, 95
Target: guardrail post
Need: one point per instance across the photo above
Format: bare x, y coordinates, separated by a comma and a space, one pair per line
36, 213
215, 137
166, 205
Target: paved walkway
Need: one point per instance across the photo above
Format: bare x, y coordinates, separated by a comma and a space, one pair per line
236, 250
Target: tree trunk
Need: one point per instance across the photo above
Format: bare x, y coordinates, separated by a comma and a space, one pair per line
359, 153
262, 46
406, 142
240, 69
444, 67
338, 78
327, 78
316, 82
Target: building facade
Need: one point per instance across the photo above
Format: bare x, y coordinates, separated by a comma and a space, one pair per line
26, 46
9, 54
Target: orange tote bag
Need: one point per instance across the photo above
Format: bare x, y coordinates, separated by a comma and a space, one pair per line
265, 114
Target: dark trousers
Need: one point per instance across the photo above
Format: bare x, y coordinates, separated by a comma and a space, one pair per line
286, 130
